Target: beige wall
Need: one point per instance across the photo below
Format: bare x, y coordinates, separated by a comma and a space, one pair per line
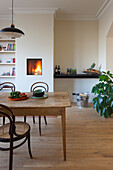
76, 46
109, 49
109, 54
105, 23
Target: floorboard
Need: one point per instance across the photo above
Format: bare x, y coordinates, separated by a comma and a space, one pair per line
89, 143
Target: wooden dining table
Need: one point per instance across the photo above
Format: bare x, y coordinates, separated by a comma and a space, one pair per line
54, 105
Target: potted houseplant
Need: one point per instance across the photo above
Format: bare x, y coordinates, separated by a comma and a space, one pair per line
103, 102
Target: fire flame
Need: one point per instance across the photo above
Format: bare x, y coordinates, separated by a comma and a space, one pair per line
38, 69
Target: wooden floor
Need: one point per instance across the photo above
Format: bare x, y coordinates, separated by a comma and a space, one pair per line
89, 144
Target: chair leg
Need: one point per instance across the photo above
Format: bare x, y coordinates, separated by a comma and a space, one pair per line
3, 120
34, 119
45, 120
24, 118
29, 146
40, 125
11, 153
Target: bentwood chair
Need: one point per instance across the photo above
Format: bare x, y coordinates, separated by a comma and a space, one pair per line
7, 85
12, 132
45, 87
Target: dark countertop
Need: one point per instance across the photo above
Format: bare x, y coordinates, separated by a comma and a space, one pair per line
76, 76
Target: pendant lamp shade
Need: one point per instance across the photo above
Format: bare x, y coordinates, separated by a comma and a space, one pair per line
11, 32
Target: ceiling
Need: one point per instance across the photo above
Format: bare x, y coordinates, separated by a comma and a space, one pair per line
65, 9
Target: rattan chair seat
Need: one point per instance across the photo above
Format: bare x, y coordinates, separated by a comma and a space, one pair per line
21, 129
12, 132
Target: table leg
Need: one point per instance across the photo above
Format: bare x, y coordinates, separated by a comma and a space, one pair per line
64, 133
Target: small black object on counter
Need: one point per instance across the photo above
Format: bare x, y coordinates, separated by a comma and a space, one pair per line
57, 69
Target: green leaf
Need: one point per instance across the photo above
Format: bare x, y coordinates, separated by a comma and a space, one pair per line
112, 110
97, 108
95, 104
93, 89
105, 101
94, 100
103, 72
102, 78
110, 96
106, 114
108, 72
106, 78
100, 100
109, 111
103, 111
111, 103
112, 89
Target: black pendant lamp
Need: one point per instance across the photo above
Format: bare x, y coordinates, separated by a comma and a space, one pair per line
11, 32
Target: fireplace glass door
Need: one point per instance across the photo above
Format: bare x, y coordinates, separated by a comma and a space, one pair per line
34, 66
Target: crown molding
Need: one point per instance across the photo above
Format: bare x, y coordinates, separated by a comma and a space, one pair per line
57, 15
75, 17
104, 9
100, 12
35, 11
29, 11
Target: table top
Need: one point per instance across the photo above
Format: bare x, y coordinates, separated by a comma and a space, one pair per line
55, 100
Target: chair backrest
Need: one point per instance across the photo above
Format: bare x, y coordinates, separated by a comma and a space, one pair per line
7, 112
39, 85
7, 85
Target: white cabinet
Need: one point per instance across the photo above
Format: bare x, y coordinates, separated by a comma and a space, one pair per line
7, 60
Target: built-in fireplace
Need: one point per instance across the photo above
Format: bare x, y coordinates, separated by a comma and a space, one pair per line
34, 66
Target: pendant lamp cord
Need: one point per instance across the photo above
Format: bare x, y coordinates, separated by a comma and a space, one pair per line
12, 11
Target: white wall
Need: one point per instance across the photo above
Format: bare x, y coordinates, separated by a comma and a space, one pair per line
37, 42
76, 46
105, 23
